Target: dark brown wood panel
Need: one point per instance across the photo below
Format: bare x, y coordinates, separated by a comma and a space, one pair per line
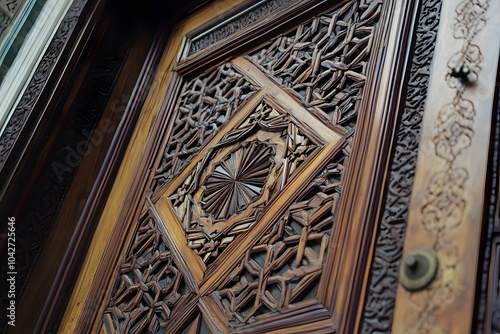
265, 170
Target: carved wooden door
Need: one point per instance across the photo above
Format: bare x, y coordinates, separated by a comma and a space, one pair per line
269, 149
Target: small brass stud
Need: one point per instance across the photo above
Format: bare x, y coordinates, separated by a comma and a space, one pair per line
418, 270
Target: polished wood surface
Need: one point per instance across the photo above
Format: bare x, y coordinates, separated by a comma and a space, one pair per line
448, 199
340, 271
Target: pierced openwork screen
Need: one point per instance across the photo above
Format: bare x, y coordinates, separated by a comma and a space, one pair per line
237, 230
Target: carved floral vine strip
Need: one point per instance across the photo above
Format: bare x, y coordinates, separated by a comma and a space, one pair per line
445, 204
235, 25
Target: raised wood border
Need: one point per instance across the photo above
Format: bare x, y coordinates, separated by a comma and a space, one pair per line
381, 103
447, 304
83, 233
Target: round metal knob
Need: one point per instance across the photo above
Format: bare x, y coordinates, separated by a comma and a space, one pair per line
418, 270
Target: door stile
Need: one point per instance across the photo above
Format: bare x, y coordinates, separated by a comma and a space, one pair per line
446, 209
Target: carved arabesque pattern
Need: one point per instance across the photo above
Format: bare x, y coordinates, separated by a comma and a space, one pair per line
381, 295
235, 25
283, 269
325, 59
445, 203
4, 22
11, 5
208, 228
150, 285
204, 105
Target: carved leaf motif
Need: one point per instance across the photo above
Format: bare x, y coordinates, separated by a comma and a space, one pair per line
325, 59
283, 269
149, 288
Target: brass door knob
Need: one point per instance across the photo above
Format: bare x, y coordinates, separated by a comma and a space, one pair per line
418, 270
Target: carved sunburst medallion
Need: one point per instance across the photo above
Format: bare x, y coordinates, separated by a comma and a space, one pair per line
237, 180
238, 177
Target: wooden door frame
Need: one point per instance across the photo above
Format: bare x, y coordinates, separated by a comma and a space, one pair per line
451, 198
381, 105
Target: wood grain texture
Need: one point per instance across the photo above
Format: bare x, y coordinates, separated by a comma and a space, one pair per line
121, 198
448, 199
302, 258
388, 249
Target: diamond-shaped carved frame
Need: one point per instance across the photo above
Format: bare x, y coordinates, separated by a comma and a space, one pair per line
266, 126
294, 216
296, 138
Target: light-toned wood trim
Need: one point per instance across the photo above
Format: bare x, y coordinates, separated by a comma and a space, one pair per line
446, 208
360, 199
176, 233
119, 194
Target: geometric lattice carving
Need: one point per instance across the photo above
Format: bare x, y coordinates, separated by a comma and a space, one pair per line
259, 174
283, 269
238, 178
325, 59
149, 288
205, 104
